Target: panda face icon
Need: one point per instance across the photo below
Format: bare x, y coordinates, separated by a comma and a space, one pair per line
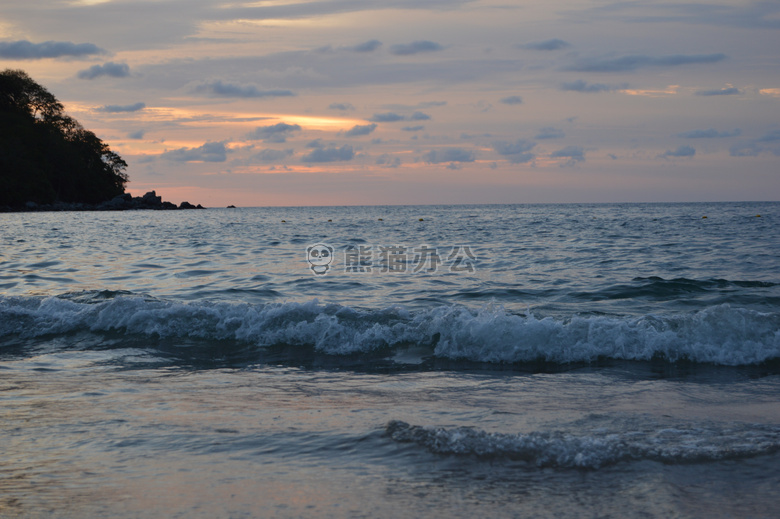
319, 257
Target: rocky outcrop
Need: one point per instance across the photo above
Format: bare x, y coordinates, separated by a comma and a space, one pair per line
123, 202
149, 201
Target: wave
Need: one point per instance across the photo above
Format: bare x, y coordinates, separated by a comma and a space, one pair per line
656, 288
718, 335
597, 447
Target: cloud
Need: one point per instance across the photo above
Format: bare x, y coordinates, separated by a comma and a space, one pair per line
136, 135
274, 133
107, 69
144, 25
304, 71
772, 136
590, 88
341, 106
633, 62
512, 100
573, 153
416, 47
448, 155
333, 154
122, 108
483, 106
681, 151
421, 104
754, 147
389, 117
269, 155
413, 128
303, 10
668, 91
516, 152
550, 133
746, 149
209, 152
709, 134
360, 129
388, 161
751, 15
730, 91
24, 49
219, 88
554, 44
369, 46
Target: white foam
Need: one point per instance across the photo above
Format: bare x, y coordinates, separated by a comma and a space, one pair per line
719, 334
596, 448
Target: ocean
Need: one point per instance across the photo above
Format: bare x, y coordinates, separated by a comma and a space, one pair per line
572, 360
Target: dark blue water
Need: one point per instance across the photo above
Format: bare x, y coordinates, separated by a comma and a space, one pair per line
551, 360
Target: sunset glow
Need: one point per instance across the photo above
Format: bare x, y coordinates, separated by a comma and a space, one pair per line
464, 101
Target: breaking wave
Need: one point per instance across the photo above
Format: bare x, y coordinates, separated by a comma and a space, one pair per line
597, 447
719, 334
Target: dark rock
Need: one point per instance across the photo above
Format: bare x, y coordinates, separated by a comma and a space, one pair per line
151, 199
231, 207
121, 202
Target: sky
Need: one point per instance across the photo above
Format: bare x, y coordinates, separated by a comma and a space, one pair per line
368, 102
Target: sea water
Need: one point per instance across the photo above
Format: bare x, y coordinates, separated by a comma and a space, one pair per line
616, 360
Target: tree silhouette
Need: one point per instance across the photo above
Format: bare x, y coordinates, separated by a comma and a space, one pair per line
47, 156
